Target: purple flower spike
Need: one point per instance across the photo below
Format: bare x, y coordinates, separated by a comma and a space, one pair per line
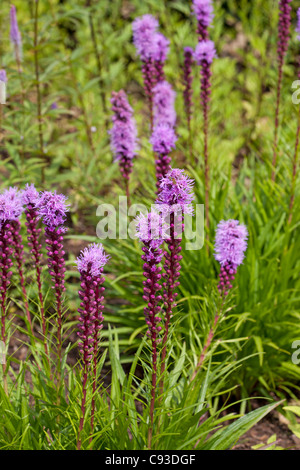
150, 230
160, 55
90, 265
163, 141
16, 197
230, 245
10, 210
123, 133
51, 208
15, 35
144, 29
283, 27
187, 81
203, 11
205, 52
164, 104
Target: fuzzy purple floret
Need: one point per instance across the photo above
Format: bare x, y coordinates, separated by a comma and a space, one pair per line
92, 259
205, 52
164, 104
230, 243
30, 195
52, 209
11, 206
162, 47
203, 11
144, 28
176, 192
151, 229
163, 139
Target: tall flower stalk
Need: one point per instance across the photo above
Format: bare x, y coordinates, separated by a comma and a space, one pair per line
16, 196
204, 54
152, 48
123, 135
150, 229
51, 208
144, 29
230, 246
282, 47
10, 210
90, 264
30, 198
15, 37
174, 200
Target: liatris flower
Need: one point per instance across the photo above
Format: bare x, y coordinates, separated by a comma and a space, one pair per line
123, 134
90, 264
163, 141
203, 11
282, 47
15, 196
164, 104
230, 245
8, 213
15, 35
144, 30
30, 197
175, 198
51, 208
187, 81
150, 229
160, 55
204, 54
